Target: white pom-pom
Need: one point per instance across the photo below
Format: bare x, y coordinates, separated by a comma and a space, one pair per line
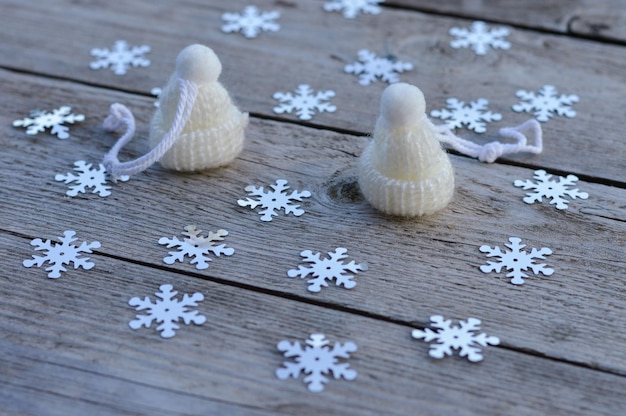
198, 64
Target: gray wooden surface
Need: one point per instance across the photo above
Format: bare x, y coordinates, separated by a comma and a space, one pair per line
66, 348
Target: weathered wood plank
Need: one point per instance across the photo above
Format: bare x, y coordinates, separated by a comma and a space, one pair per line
603, 19
417, 267
67, 343
313, 47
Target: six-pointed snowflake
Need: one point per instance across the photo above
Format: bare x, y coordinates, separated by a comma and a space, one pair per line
351, 8
546, 103
41, 120
316, 360
551, 189
87, 178
274, 200
59, 254
120, 57
462, 337
167, 311
196, 246
304, 102
369, 67
156, 91
327, 269
480, 38
250, 22
517, 260
474, 115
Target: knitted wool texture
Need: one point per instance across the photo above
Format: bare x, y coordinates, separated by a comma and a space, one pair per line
404, 171
214, 133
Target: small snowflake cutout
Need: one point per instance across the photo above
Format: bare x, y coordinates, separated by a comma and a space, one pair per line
480, 38
60, 254
369, 67
517, 260
316, 360
156, 91
250, 22
474, 116
546, 103
87, 178
272, 201
120, 57
462, 337
351, 8
327, 269
167, 311
304, 102
544, 187
196, 246
41, 120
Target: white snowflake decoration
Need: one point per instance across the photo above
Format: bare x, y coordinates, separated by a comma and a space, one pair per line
551, 189
474, 116
480, 38
327, 269
369, 67
316, 360
41, 120
196, 246
120, 57
274, 200
156, 91
517, 260
351, 8
87, 178
167, 311
545, 104
304, 102
462, 337
59, 254
250, 22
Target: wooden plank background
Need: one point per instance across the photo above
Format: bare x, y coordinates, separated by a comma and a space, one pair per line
66, 347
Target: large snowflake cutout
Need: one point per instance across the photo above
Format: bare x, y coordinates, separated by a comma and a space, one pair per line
546, 103
250, 22
351, 8
274, 200
480, 38
462, 337
316, 360
167, 311
369, 67
304, 102
517, 260
474, 116
60, 254
120, 57
327, 269
551, 189
41, 120
87, 178
196, 246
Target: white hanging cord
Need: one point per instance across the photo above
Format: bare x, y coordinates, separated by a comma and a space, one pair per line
121, 116
491, 151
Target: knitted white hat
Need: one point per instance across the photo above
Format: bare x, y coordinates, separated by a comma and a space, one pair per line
214, 133
404, 171
196, 126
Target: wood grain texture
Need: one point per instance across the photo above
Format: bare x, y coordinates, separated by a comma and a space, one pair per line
71, 344
592, 70
598, 19
552, 316
66, 342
